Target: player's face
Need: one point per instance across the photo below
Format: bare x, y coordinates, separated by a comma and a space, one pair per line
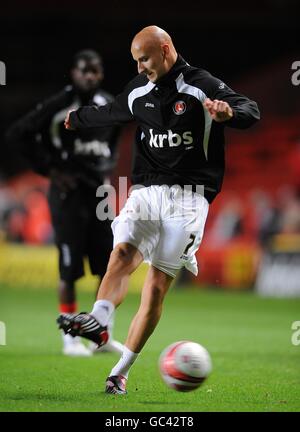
150, 61
87, 75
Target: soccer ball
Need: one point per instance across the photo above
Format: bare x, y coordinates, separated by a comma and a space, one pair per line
184, 365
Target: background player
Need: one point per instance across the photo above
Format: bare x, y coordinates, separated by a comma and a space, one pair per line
76, 164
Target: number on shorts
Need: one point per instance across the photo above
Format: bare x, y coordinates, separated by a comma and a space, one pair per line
192, 237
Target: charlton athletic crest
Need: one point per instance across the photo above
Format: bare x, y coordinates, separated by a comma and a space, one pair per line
179, 107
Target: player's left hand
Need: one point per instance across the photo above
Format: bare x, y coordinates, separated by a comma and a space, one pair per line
67, 121
220, 111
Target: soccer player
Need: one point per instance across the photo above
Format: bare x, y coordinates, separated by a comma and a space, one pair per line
76, 164
181, 112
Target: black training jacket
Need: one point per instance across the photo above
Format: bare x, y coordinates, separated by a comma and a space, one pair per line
88, 154
177, 142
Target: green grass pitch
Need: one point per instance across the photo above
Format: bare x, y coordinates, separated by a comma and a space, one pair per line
255, 365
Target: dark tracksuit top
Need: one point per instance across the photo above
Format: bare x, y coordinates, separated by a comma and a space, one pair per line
89, 155
177, 142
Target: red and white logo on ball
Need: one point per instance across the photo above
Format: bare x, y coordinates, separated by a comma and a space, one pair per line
179, 107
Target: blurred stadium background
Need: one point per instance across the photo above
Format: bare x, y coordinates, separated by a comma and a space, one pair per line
256, 219
252, 240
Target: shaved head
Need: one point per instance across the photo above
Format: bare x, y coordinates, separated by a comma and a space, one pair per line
152, 36
153, 50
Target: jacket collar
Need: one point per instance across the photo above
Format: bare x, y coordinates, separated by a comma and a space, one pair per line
175, 70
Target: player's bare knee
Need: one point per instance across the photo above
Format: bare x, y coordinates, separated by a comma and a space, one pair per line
122, 258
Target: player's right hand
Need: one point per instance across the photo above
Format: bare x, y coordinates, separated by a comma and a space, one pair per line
67, 121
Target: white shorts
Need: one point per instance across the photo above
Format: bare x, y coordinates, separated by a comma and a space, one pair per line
166, 224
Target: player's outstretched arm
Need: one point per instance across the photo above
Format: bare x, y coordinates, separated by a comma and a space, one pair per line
112, 114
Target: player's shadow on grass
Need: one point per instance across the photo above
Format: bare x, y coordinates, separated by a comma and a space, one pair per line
132, 395
39, 396
159, 403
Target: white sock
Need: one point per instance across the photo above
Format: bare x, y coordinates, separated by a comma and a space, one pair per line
110, 325
124, 364
102, 311
69, 340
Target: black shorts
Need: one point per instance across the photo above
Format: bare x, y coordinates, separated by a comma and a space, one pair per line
78, 232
